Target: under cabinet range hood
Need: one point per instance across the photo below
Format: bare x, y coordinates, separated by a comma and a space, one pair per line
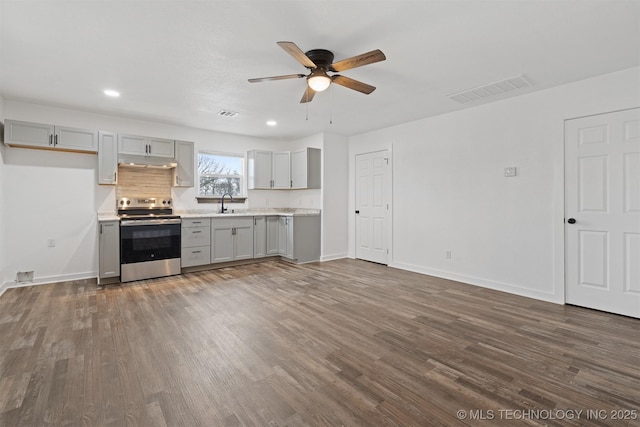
132, 161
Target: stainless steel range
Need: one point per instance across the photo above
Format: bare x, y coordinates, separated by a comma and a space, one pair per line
149, 238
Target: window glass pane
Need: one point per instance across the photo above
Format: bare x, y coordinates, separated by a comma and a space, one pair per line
220, 174
215, 186
219, 164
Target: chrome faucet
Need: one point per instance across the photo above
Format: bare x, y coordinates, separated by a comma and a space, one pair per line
222, 208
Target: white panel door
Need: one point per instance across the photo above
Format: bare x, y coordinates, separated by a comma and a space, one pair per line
372, 206
602, 225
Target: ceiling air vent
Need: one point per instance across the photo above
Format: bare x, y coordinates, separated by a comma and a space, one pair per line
227, 113
493, 89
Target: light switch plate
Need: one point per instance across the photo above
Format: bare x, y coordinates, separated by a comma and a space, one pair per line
510, 171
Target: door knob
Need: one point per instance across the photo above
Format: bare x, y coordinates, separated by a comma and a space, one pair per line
571, 220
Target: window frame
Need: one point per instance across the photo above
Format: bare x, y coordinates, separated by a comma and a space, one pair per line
240, 198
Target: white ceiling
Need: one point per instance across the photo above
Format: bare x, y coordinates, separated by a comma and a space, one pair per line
183, 61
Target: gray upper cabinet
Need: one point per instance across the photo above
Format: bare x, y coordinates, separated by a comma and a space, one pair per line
281, 170
299, 169
107, 158
185, 158
259, 169
306, 168
145, 146
49, 137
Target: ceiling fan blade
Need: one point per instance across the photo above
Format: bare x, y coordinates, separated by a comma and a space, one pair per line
298, 54
352, 84
308, 95
266, 79
358, 61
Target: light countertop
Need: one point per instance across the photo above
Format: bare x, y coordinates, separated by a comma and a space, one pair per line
209, 213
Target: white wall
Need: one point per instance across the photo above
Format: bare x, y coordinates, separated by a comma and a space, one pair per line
449, 192
335, 196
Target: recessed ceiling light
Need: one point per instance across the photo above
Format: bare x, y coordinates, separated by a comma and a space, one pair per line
271, 123
112, 93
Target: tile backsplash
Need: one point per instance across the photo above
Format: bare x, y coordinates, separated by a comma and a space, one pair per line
150, 182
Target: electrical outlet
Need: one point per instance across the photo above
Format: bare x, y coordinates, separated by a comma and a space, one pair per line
51, 243
510, 171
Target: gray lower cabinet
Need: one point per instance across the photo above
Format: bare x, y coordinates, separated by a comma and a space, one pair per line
259, 236
272, 223
231, 239
266, 240
109, 249
299, 238
285, 236
196, 242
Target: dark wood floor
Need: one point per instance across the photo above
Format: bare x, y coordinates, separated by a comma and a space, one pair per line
342, 343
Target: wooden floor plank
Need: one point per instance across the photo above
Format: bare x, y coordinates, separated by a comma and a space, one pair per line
344, 342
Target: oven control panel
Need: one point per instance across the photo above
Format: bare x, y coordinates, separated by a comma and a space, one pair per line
144, 202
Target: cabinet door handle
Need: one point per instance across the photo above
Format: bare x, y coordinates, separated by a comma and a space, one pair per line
149, 149
233, 230
195, 252
50, 139
291, 184
196, 222
100, 228
55, 140
115, 176
196, 231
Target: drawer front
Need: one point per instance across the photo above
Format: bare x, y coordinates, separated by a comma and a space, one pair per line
196, 256
196, 222
196, 236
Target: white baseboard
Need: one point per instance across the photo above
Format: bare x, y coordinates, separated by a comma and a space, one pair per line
484, 283
333, 257
47, 280
4, 286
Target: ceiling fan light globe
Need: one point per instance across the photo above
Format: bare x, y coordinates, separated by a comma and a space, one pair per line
318, 81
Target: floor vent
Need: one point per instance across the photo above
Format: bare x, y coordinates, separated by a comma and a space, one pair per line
227, 113
493, 89
24, 277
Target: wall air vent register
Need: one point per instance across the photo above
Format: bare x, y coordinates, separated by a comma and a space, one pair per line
492, 89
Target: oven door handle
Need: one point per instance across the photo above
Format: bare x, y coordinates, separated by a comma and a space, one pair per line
131, 223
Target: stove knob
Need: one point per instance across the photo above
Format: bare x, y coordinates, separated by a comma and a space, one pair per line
128, 202
164, 202
122, 202
168, 202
